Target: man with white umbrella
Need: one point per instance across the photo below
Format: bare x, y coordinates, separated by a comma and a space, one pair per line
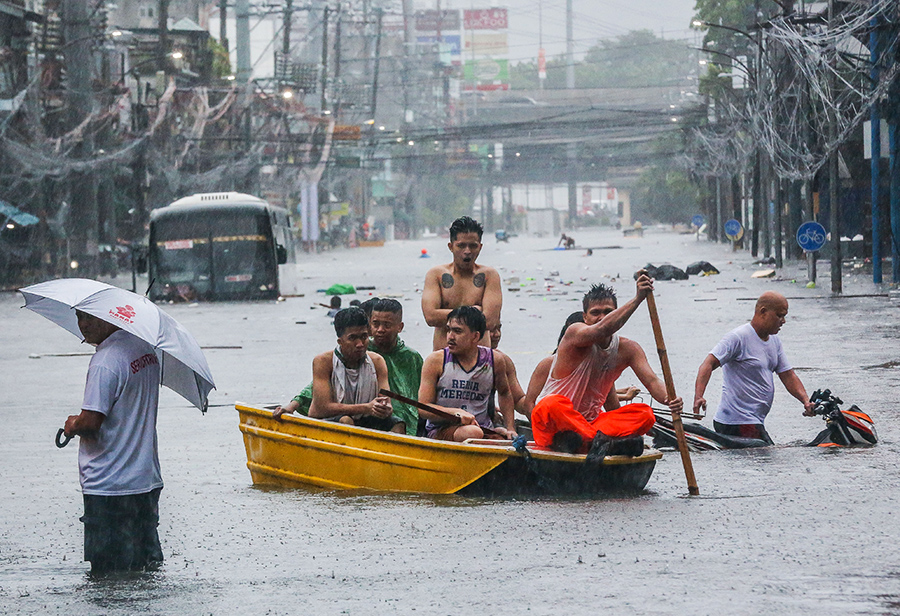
117, 460
139, 347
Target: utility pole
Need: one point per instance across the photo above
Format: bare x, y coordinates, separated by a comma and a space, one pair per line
837, 283
336, 89
163, 27
83, 234
324, 75
242, 34
875, 118
286, 40
379, 14
223, 23
571, 148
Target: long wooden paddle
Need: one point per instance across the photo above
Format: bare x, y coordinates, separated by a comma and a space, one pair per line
670, 392
427, 407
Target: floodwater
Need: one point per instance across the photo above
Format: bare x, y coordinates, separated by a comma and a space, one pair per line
788, 529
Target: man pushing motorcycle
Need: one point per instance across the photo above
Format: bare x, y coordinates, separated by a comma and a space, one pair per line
749, 355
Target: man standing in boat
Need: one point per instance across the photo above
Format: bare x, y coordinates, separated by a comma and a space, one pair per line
463, 282
568, 415
749, 355
461, 378
346, 380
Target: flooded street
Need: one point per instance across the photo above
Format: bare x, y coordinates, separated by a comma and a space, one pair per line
787, 529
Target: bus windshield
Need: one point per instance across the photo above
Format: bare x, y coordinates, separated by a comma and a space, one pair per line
221, 254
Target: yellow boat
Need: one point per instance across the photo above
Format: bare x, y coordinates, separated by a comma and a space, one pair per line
299, 451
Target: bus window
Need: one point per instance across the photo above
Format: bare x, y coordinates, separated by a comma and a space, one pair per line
242, 255
182, 258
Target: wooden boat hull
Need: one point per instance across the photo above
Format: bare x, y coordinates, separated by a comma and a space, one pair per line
304, 452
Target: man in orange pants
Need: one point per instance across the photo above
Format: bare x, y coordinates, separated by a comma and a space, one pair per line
569, 413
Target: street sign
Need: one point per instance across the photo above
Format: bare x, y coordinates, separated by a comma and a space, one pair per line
811, 236
734, 230
698, 220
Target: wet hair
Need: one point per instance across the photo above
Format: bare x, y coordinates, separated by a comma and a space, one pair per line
599, 293
575, 317
354, 302
471, 317
335, 301
349, 317
464, 224
386, 305
367, 305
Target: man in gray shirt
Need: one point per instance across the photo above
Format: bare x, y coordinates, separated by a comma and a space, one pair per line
749, 355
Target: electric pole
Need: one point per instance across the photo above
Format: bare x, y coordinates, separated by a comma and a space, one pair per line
242, 42
223, 23
571, 148
324, 77
83, 229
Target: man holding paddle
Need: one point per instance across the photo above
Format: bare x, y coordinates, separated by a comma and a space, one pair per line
749, 355
460, 380
568, 415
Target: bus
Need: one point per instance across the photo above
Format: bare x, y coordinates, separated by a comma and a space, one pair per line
218, 246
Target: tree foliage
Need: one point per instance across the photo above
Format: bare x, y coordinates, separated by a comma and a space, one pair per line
636, 59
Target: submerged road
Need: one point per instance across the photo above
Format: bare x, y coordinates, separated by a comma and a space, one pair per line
787, 529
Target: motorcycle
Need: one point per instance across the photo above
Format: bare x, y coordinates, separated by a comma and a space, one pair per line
842, 429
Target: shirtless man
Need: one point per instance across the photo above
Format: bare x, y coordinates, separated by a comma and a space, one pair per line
461, 283
590, 357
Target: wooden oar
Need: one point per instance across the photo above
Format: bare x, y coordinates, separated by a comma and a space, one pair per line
670, 392
427, 407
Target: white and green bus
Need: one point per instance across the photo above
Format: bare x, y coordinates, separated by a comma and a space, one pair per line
219, 246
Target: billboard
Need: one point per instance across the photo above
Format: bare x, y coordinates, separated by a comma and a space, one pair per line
485, 19
437, 21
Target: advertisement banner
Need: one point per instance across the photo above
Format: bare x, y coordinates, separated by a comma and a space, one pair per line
486, 44
485, 19
487, 71
434, 21
453, 40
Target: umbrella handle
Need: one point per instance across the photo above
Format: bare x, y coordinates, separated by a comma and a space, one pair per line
60, 443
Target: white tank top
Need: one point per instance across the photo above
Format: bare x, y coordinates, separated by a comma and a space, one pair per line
589, 383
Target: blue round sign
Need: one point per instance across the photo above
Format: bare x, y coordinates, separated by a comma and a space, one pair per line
698, 220
811, 236
734, 230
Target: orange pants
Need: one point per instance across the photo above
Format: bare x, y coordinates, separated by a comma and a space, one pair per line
555, 413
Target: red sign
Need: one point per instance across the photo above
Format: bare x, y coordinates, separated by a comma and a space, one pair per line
485, 19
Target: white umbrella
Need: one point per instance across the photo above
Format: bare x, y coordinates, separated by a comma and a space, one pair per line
183, 366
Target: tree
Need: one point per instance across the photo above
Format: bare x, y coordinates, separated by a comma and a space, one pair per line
636, 59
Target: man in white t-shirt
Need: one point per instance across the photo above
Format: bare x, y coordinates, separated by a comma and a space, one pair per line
749, 355
117, 457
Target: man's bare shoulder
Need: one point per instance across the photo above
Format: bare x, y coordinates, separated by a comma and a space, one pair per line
487, 270
323, 362
375, 357
629, 348
434, 355
437, 270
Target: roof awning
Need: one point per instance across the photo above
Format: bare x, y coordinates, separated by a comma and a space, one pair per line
10, 213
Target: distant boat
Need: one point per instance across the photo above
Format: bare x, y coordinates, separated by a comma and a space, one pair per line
303, 452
